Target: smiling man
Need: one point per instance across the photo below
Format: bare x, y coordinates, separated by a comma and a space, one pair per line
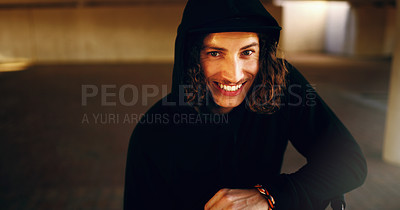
229, 61
225, 65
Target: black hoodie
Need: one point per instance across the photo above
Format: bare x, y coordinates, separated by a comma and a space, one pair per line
178, 158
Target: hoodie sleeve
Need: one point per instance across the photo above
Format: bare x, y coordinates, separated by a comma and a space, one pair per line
335, 163
145, 184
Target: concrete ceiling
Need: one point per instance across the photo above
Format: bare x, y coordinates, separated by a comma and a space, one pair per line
93, 3
356, 1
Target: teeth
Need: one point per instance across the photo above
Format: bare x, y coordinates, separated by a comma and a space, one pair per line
230, 88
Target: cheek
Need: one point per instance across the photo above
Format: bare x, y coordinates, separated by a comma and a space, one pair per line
252, 66
209, 68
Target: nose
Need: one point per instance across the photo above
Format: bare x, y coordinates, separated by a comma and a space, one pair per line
233, 69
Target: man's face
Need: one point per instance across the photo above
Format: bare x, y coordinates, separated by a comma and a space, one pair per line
230, 63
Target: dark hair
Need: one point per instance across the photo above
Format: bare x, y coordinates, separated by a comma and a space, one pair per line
264, 96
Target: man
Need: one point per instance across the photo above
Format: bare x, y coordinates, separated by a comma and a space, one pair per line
225, 65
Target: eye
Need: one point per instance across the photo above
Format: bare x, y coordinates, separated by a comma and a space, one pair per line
247, 52
214, 53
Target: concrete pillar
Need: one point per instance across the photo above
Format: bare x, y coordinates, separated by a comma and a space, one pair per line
391, 147
367, 28
389, 40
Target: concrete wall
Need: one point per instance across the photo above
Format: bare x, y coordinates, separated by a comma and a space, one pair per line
304, 26
370, 27
146, 32
97, 34
338, 28
374, 30
135, 33
390, 34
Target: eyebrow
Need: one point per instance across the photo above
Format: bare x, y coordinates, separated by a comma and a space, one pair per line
250, 45
214, 48
223, 49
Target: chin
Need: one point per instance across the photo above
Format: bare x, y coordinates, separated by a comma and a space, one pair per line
225, 102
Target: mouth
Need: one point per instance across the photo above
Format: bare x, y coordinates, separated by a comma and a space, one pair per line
229, 90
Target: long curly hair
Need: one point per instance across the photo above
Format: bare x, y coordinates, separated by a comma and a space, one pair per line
264, 97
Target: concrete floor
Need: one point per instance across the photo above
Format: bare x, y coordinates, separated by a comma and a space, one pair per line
53, 157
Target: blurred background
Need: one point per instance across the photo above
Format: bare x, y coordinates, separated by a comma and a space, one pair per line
76, 75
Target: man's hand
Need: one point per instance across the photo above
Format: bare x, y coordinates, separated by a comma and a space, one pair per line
237, 199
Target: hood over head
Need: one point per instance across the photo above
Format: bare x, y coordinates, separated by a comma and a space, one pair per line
213, 16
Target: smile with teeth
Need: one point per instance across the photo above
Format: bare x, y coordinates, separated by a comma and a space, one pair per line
230, 88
